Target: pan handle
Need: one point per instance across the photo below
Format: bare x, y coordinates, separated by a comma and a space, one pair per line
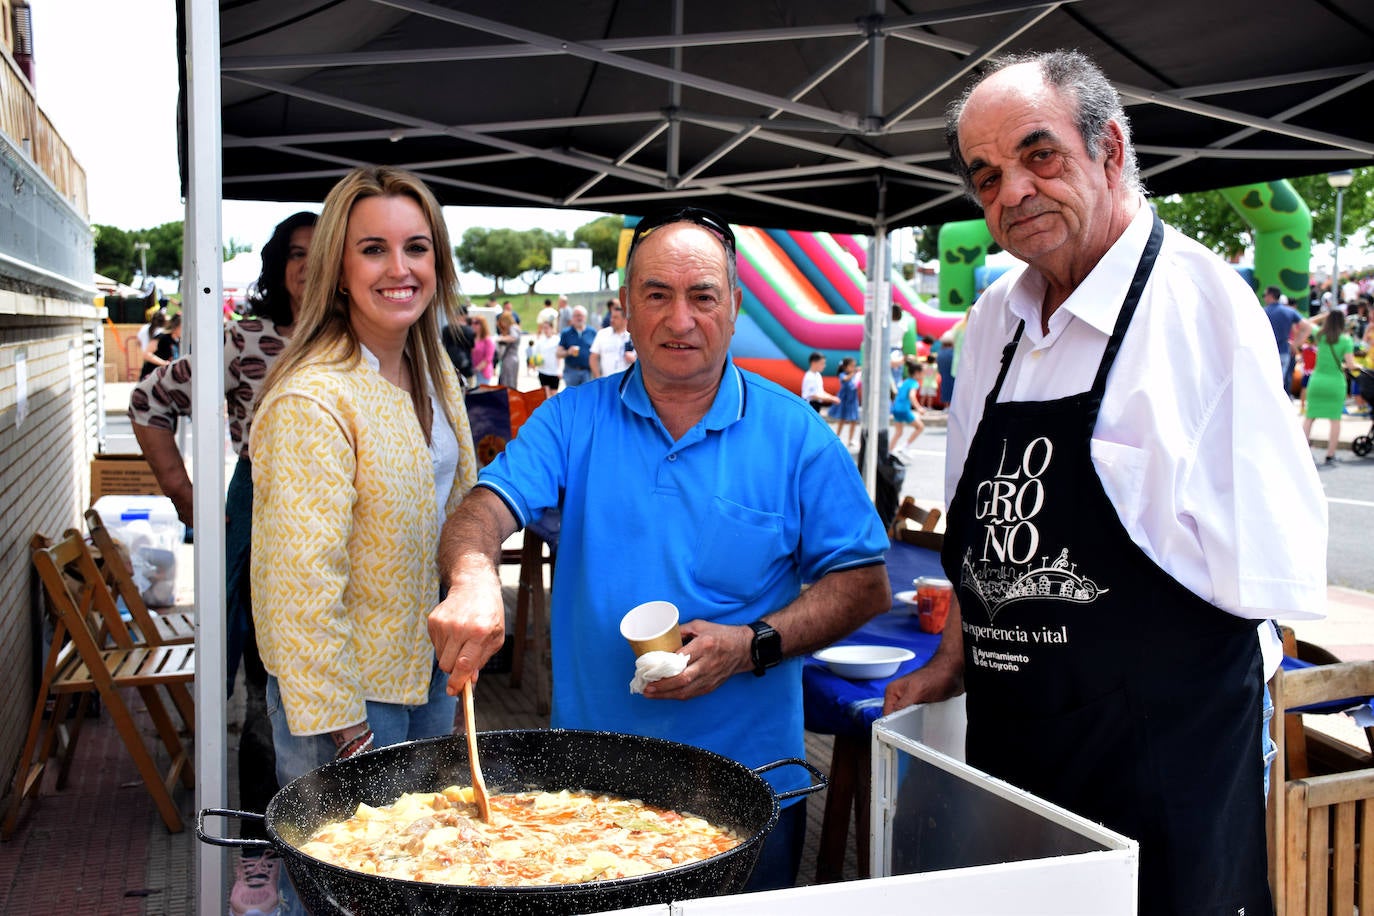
820, 783
239, 842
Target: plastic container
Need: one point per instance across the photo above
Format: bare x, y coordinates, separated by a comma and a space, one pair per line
932, 603
148, 526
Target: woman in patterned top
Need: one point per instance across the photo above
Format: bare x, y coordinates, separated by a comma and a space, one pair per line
360, 448
250, 347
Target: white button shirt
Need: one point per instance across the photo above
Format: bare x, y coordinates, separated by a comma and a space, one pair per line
1195, 443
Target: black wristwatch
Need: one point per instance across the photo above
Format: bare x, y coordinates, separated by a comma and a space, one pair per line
766, 648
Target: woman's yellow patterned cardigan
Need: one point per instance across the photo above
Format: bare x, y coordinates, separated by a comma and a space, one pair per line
345, 540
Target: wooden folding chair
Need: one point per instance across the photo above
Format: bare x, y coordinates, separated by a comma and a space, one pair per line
93, 651
913, 525
531, 614
172, 626
133, 359
1321, 827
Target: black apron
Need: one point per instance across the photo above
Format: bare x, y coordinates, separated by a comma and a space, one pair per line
1095, 680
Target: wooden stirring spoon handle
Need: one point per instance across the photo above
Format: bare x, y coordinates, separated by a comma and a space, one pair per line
479, 785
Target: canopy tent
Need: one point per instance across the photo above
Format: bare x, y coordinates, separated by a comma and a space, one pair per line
813, 114
809, 114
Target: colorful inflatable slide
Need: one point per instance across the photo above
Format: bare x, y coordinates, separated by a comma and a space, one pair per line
804, 292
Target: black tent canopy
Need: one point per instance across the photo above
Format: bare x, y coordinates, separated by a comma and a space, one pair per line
810, 114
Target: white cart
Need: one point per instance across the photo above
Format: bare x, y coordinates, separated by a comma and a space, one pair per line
949, 840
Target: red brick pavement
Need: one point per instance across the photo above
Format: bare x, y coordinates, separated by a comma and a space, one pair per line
98, 847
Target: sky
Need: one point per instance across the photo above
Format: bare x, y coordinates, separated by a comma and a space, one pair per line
105, 75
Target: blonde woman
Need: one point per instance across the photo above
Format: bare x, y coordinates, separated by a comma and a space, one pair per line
360, 448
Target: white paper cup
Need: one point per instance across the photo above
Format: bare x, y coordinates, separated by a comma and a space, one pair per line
652, 627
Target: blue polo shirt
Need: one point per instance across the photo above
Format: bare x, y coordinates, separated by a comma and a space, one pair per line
1281, 319
570, 338
726, 523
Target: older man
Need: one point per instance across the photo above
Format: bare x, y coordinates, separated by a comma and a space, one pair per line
575, 349
714, 489
1125, 513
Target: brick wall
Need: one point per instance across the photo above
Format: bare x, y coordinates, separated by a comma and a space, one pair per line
49, 354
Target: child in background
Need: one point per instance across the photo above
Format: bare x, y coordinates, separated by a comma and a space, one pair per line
1308, 354
906, 407
848, 410
929, 392
813, 385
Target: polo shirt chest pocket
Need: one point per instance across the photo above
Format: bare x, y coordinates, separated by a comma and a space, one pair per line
736, 548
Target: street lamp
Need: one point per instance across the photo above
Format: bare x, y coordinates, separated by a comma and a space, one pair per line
1340, 181
142, 249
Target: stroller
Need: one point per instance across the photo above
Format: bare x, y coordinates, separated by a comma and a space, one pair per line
1364, 382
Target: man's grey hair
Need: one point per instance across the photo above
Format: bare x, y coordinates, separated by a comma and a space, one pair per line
1073, 74
731, 261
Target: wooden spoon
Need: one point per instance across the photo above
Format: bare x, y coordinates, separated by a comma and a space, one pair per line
479, 785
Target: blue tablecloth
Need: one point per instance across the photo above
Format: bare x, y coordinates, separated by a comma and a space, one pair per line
835, 705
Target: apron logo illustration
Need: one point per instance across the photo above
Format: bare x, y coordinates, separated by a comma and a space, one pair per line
1006, 505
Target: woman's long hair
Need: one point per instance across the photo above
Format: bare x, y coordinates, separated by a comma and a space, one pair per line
323, 330
1333, 326
270, 297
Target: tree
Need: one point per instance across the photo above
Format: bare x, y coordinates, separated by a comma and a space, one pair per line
234, 247
505, 254
1207, 217
538, 257
1357, 205
114, 253
602, 236
495, 253
164, 249
116, 257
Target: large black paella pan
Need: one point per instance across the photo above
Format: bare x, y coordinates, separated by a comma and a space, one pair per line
663, 773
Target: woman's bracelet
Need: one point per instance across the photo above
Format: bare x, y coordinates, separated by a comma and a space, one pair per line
352, 747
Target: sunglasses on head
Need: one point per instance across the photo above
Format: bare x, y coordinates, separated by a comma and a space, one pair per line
695, 215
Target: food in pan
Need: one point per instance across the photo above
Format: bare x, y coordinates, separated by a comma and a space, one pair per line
534, 838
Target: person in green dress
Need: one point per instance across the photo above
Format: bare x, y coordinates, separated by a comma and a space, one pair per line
1327, 388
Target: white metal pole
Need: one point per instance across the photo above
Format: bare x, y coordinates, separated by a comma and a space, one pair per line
1336, 255
202, 295
877, 321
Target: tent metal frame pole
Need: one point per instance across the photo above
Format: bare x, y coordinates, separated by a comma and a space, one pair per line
673, 165
877, 312
607, 58
1225, 142
796, 94
877, 324
202, 297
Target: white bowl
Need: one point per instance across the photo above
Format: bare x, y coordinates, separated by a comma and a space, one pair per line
864, 662
906, 597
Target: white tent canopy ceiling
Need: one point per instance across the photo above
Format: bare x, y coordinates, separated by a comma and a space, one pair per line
800, 114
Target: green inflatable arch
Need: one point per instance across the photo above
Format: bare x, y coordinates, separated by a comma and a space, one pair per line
1282, 230
963, 249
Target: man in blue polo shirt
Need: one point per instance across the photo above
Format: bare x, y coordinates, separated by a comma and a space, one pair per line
575, 349
714, 489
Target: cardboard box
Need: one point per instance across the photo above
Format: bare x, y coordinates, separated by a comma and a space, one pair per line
122, 475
